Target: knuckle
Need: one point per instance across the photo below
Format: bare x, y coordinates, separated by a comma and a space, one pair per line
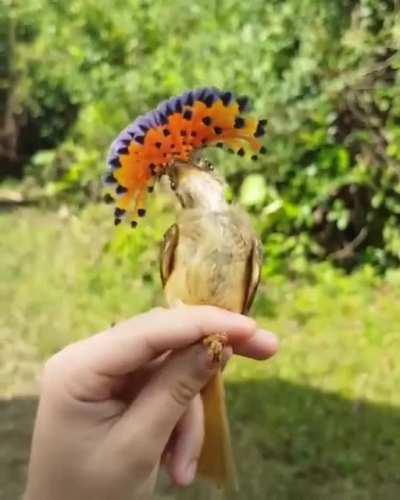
55, 367
52, 368
183, 391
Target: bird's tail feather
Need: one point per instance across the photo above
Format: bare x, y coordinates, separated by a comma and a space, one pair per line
216, 462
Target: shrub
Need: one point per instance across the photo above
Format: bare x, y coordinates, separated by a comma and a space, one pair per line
325, 73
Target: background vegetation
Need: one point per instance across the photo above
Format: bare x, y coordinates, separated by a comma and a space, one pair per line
320, 420
324, 73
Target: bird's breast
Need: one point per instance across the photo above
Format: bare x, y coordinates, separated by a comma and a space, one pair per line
210, 262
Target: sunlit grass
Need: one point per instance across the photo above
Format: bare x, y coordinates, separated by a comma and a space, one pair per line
319, 420
60, 280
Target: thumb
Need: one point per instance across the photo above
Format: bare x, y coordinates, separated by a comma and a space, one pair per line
165, 398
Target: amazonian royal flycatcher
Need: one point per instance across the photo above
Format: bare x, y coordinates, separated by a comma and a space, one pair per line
211, 255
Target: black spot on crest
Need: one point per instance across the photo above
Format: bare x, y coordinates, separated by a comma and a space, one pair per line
121, 189
189, 99
114, 162
208, 101
243, 102
260, 131
178, 106
226, 98
119, 212
239, 122
163, 119
108, 198
202, 95
110, 179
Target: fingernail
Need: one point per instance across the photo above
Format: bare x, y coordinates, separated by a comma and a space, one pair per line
273, 341
190, 472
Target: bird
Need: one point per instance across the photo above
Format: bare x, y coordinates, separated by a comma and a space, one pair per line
211, 255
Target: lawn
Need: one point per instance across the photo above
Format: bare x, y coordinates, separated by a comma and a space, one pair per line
320, 420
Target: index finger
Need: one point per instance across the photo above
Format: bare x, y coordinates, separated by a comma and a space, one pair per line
134, 342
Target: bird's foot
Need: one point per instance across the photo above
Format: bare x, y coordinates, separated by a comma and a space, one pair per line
215, 345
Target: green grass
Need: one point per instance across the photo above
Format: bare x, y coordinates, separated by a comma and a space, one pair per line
320, 420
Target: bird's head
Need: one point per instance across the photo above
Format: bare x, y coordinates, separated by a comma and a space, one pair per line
197, 184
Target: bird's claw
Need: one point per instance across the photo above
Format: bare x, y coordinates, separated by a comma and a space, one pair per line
215, 345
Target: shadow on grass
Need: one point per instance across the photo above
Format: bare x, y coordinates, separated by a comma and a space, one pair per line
16, 423
291, 442
11, 205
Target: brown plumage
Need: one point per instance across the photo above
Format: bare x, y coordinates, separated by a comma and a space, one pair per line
211, 256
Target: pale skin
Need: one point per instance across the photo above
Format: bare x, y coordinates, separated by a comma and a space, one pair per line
115, 406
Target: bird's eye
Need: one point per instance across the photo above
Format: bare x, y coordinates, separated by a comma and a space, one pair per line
208, 165
203, 164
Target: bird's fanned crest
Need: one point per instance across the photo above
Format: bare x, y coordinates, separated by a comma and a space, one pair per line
174, 131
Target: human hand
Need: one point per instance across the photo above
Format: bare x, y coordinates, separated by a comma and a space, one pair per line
113, 405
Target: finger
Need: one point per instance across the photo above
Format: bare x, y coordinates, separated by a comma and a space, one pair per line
184, 445
159, 406
226, 356
261, 345
188, 441
128, 386
136, 341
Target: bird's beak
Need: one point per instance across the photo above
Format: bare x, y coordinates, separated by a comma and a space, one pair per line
179, 172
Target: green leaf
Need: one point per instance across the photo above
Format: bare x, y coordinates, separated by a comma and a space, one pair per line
253, 190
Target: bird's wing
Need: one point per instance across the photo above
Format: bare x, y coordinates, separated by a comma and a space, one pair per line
253, 271
167, 256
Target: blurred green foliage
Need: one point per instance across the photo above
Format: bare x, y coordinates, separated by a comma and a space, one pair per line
319, 420
325, 73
